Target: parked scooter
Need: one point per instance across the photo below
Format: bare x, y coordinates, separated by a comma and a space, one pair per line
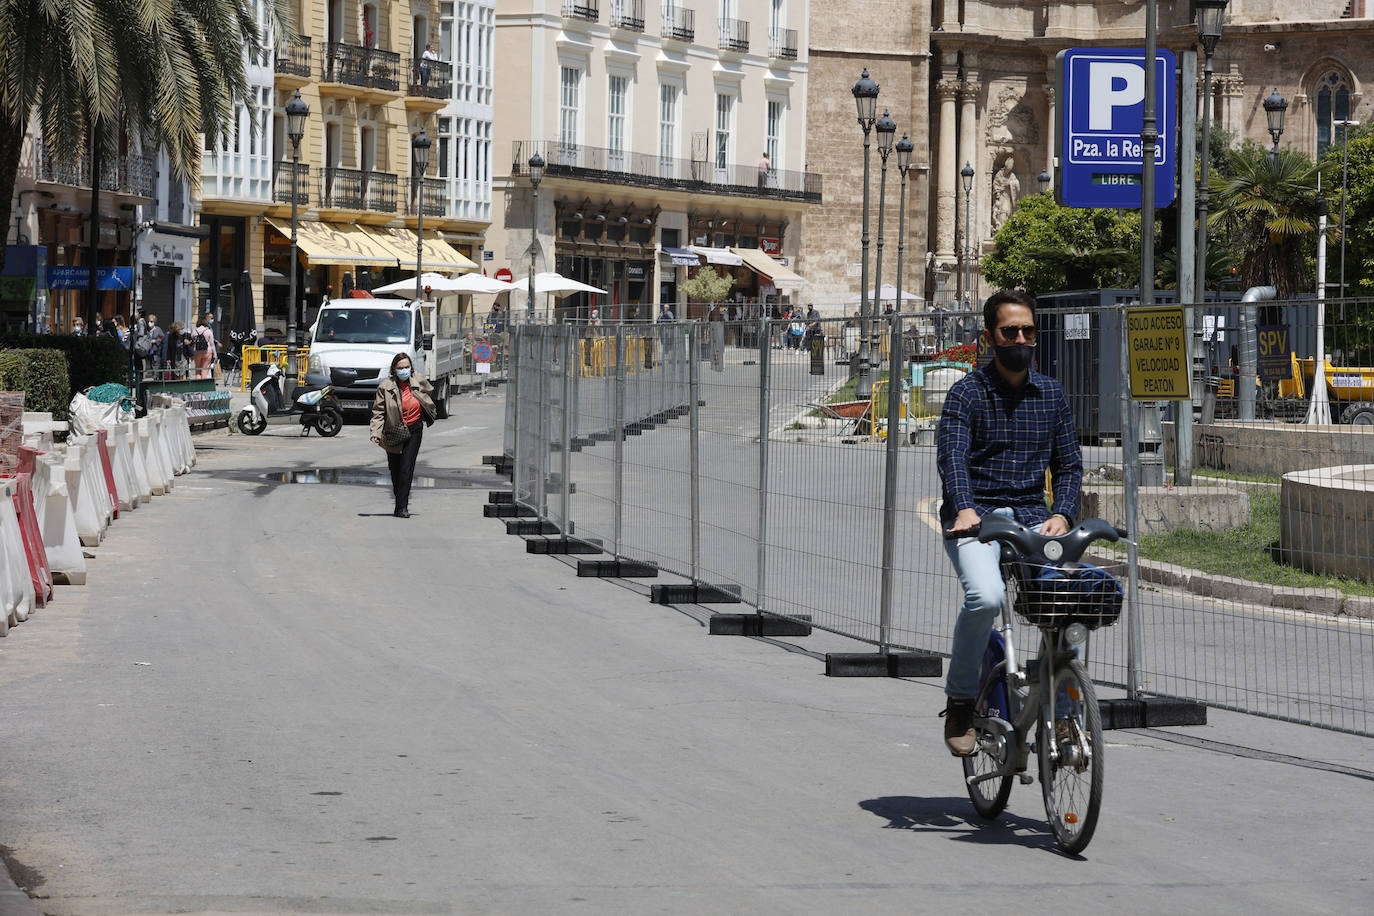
313, 404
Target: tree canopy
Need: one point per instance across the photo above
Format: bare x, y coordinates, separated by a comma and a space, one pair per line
1043, 247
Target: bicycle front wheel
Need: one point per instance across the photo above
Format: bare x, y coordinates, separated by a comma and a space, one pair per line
1071, 759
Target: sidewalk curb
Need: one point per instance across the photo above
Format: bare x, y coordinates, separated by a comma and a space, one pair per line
1328, 602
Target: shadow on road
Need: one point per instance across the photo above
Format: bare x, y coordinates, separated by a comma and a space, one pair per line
956, 817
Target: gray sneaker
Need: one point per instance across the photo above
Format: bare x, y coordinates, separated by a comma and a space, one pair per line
960, 737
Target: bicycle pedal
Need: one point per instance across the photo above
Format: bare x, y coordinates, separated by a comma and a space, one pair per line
1026, 779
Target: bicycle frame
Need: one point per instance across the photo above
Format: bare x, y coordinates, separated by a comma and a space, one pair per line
1024, 714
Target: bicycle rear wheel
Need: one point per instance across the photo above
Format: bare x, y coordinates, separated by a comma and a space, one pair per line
1072, 784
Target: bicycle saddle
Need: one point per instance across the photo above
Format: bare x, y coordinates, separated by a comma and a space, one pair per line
1028, 543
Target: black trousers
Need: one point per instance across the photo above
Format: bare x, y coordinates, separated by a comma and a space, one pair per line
402, 465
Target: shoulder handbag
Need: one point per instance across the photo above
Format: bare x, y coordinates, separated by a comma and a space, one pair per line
396, 435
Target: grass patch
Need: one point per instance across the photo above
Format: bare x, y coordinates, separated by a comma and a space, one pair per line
846, 392
1243, 552
1234, 475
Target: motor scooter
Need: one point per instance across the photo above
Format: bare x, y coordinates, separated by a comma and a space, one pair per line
313, 405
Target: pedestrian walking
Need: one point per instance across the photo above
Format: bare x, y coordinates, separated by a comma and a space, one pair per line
400, 412
176, 351
203, 346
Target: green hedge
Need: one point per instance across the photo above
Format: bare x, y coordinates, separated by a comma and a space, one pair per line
90, 360
41, 375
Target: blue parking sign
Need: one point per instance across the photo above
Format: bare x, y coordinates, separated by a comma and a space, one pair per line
1100, 110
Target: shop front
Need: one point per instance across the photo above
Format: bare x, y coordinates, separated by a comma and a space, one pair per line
612, 248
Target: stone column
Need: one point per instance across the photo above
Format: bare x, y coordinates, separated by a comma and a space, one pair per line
968, 153
1051, 127
946, 173
1232, 88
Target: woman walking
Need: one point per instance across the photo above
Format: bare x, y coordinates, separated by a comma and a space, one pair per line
203, 346
400, 413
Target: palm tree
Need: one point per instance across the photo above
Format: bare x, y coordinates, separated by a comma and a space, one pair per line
1267, 208
167, 69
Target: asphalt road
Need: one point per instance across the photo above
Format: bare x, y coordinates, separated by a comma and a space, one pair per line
275, 697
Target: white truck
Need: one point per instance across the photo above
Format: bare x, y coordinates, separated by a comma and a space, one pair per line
364, 335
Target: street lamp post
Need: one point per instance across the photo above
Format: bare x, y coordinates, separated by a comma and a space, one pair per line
1044, 180
1210, 14
886, 129
904, 150
296, 113
536, 164
865, 94
1345, 165
1274, 108
419, 164
966, 175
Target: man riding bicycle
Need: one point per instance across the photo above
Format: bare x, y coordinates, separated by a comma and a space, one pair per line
1001, 428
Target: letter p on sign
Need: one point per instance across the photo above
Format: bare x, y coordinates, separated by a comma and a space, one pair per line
1115, 84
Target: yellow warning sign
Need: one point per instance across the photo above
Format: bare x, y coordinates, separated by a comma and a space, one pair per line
1157, 350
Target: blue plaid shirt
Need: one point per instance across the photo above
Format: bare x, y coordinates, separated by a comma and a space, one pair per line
995, 443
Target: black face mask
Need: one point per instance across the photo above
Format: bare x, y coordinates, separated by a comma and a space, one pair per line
1015, 357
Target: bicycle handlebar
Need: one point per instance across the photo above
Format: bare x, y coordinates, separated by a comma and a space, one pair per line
1029, 542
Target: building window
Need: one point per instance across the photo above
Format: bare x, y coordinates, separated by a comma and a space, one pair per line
445, 144
569, 108
615, 122
1333, 104
725, 109
667, 130
773, 139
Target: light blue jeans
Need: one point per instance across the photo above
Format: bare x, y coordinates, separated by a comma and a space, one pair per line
980, 573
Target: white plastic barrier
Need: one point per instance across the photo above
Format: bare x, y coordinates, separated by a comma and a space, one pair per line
147, 453
39, 427
93, 480
55, 520
125, 485
176, 427
84, 508
17, 598
162, 426
138, 459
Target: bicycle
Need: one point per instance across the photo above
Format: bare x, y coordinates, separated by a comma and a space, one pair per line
1053, 697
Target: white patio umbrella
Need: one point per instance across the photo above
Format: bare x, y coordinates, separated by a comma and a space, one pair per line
555, 284
889, 292
436, 282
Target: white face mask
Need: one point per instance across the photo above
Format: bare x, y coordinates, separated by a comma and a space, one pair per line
403, 374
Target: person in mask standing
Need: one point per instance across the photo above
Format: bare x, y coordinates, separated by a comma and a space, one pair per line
400, 412
1001, 428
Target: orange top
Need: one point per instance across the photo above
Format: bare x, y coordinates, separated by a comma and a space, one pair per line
410, 406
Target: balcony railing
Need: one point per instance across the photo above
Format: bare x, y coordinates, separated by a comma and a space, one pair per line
679, 24
588, 10
734, 35
354, 65
294, 58
782, 44
628, 14
352, 189
430, 79
281, 183
590, 163
133, 174
434, 197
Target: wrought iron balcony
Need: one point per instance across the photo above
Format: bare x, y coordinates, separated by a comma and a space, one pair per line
294, 58
628, 14
645, 170
434, 197
783, 44
281, 183
679, 23
430, 79
587, 10
354, 65
353, 189
133, 174
734, 35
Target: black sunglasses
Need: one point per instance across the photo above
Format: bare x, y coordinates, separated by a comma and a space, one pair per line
1011, 332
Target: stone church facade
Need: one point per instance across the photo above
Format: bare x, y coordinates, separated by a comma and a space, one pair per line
973, 82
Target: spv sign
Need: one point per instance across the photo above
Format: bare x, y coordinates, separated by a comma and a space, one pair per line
1100, 111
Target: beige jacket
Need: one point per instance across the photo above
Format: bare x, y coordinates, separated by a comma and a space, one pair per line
386, 407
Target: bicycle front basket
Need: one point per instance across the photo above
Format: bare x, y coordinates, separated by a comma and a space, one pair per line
1057, 595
